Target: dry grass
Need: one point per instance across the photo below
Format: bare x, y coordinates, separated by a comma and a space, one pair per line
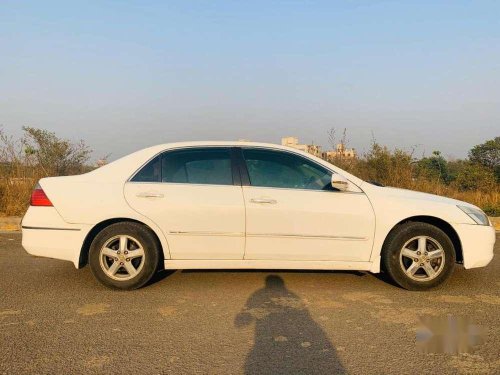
24, 161
487, 200
16, 187
399, 169
15, 191
20, 172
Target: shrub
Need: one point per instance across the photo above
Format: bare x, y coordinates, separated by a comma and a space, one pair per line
462, 180
488, 155
36, 155
475, 177
55, 156
434, 167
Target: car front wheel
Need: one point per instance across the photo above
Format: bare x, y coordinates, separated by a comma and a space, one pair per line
418, 256
124, 255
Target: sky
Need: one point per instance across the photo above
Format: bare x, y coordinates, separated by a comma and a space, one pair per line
123, 75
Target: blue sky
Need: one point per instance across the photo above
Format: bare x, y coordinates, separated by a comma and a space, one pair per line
124, 75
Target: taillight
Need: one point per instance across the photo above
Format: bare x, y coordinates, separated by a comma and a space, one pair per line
39, 198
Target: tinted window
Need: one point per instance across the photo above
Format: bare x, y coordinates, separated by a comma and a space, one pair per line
196, 166
285, 170
207, 166
151, 172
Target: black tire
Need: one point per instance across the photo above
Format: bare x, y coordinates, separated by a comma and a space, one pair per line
393, 263
136, 234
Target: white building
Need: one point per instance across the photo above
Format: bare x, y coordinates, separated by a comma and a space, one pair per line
340, 152
294, 142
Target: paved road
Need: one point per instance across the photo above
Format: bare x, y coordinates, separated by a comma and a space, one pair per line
55, 319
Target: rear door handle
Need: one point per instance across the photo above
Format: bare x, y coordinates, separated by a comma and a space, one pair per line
264, 200
149, 194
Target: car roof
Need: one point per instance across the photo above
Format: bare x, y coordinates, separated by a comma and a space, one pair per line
126, 165
175, 145
220, 143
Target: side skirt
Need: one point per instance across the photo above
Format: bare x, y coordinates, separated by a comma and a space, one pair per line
173, 264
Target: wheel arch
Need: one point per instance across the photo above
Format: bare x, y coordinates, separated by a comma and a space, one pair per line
84, 251
439, 223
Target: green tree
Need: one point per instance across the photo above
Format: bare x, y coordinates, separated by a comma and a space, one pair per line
393, 168
488, 155
435, 167
475, 177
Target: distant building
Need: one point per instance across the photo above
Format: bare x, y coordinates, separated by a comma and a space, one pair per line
340, 151
294, 142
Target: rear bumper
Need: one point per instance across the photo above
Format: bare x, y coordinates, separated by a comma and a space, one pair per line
54, 243
45, 234
478, 242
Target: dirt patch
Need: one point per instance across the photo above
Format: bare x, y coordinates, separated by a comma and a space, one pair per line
367, 297
167, 311
97, 362
280, 339
10, 223
403, 315
327, 303
489, 298
291, 302
93, 309
5, 313
383, 309
452, 299
474, 364
259, 312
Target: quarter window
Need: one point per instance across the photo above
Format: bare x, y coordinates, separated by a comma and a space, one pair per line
284, 170
151, 172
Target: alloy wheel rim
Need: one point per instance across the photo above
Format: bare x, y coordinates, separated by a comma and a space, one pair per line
422, 258
122, 257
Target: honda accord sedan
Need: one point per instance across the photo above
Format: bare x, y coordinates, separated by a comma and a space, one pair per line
231, 205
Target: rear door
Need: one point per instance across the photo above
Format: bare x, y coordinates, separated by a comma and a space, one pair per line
194, 195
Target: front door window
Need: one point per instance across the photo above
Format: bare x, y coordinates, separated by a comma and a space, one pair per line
284, 170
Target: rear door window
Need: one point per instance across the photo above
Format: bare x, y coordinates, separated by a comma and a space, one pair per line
189, 166
197, 166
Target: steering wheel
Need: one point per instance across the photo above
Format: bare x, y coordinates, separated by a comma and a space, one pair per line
312, 182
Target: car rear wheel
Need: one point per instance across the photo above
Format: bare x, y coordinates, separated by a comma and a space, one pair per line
124, 255
418, 256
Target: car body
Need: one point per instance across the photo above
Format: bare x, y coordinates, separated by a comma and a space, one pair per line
247, 207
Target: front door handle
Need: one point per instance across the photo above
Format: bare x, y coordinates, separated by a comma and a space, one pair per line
264, 200
149, 194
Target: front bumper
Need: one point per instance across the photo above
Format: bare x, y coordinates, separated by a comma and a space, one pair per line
478, 242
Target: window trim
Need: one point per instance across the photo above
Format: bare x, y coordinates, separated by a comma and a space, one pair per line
246, 176
233, 158
242, 167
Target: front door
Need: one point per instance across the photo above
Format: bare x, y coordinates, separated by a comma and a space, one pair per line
293, 213
192, 196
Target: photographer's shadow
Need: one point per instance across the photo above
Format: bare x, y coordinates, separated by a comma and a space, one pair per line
287, 339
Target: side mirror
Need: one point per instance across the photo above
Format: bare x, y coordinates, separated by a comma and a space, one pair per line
339, 182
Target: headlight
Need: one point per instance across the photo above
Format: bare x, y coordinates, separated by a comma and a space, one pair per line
475, 214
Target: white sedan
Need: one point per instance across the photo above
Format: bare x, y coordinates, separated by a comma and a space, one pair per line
220, 205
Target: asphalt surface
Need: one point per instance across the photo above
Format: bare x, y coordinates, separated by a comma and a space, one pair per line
56, 319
